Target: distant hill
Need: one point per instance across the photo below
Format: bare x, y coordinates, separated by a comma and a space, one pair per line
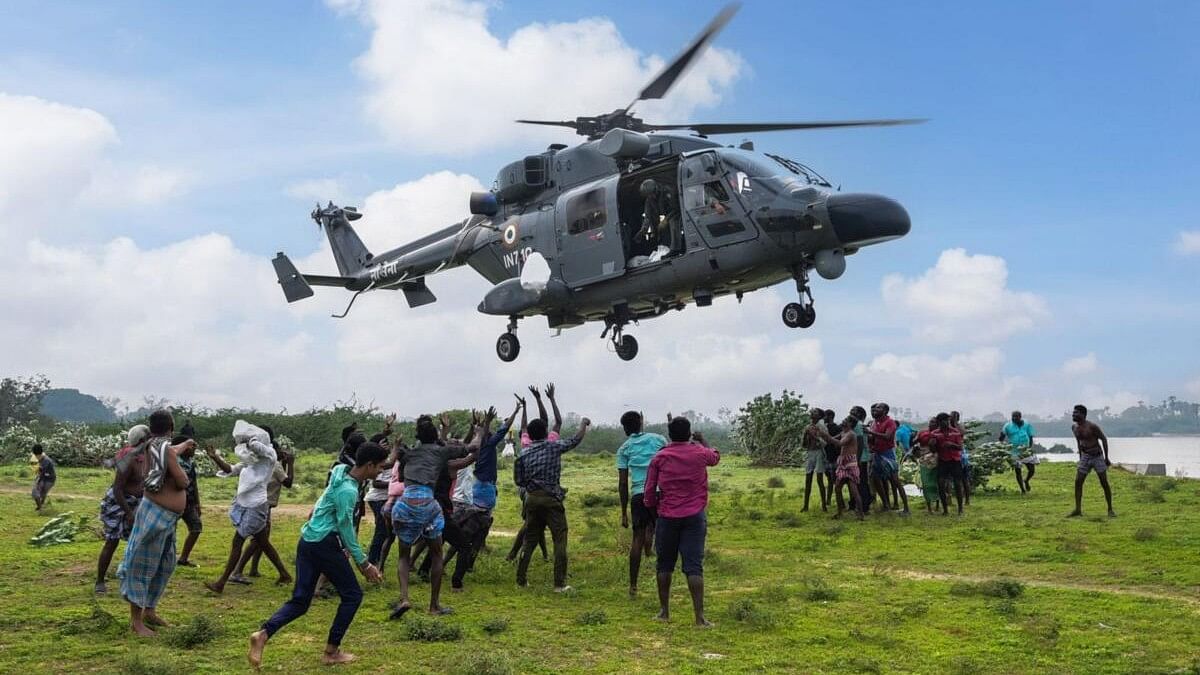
69, 405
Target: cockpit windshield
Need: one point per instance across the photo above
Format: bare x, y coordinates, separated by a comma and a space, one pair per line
755, 165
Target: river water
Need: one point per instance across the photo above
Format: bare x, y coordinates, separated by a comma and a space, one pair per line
1181, 454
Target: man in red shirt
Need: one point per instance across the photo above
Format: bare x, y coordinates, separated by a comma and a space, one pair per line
885, 471
677, 485
947, 442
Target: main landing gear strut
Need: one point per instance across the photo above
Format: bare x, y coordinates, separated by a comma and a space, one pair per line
507, 345
625, 345
800, 314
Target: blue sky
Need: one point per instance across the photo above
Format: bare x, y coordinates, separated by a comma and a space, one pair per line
1062, 139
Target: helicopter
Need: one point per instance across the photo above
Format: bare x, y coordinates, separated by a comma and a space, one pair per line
629, 225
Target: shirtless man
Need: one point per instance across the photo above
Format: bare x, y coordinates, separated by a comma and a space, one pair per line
150, 555
122, 499
847, 467
1090, 438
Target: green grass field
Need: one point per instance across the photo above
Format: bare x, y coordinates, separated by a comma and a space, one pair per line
788, 591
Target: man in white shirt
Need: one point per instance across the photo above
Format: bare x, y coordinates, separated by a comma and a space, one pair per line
251, 509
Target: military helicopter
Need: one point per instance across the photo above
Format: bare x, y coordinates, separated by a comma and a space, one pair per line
631, 224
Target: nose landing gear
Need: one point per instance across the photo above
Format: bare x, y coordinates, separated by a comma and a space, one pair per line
507, 345
800, 314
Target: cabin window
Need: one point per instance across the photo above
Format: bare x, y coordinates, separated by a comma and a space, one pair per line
725, 228
586, 211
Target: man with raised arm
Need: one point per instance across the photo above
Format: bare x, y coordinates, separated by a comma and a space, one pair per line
325, 541
538, 470
1091, 439
633, 461
677, 485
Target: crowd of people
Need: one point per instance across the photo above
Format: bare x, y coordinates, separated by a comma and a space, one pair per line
435, 498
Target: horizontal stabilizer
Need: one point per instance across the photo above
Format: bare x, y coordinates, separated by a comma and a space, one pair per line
294, 285
417, 293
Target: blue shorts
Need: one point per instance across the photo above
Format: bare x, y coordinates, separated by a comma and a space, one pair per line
681, 538
417, 514
484, 495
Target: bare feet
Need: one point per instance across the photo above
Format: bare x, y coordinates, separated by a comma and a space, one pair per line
185, 563
662, 616
285, 580
140, 630
1112, 514
254, 574
101, 588
1075, 514
336, 658
633, 591
456, 589
154, 619
212, 586
440, 611
239, 579
258, 641
704, 623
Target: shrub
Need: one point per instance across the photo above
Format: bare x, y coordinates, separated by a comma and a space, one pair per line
746, 611
200, 630
593, 617
136, 665
775, 482
97, 622
817, 590
995, 588
771, 430
495, 626
1145, 534
788, 519
422, 629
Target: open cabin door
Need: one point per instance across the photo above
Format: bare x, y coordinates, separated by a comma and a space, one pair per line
709, 201
589, 235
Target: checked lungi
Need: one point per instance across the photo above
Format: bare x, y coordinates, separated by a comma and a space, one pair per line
150, 555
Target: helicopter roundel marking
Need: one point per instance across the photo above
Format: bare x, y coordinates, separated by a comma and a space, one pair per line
510, 234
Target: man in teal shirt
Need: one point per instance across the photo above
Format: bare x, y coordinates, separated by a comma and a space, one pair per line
324, 541
633, 460
1019, 435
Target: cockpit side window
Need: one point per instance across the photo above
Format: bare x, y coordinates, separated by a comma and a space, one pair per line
586, 211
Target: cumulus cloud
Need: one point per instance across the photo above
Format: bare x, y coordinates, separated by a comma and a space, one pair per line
1080, 365
144, 185
439, 80
963, 297
1188, 243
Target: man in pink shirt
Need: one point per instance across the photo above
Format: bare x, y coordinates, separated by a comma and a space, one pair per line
677, 486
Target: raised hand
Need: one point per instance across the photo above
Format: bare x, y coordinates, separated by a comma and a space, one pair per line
389, 420
490, 414
534, 390
520, 400
550, 390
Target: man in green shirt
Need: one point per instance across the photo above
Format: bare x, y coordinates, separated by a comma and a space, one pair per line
324, 541
633, 460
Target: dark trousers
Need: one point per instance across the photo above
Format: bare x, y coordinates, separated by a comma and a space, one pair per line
384, 536
864, 485
542, 511
312, 560
473, 525
681, 537
519, 542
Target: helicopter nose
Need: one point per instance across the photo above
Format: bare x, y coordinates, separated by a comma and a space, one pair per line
863, 219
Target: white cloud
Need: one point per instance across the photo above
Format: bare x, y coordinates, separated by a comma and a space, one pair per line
963, 298
439, 80
1080, 365
47, 152
1188, 243
1193, 387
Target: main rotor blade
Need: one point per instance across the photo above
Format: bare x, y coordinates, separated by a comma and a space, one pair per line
564, 123
744, 127
660, 85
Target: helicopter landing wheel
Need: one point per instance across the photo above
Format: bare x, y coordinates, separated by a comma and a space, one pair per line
796, 315
627, 347
508, 347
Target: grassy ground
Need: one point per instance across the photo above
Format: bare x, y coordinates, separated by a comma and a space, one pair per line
788, 591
